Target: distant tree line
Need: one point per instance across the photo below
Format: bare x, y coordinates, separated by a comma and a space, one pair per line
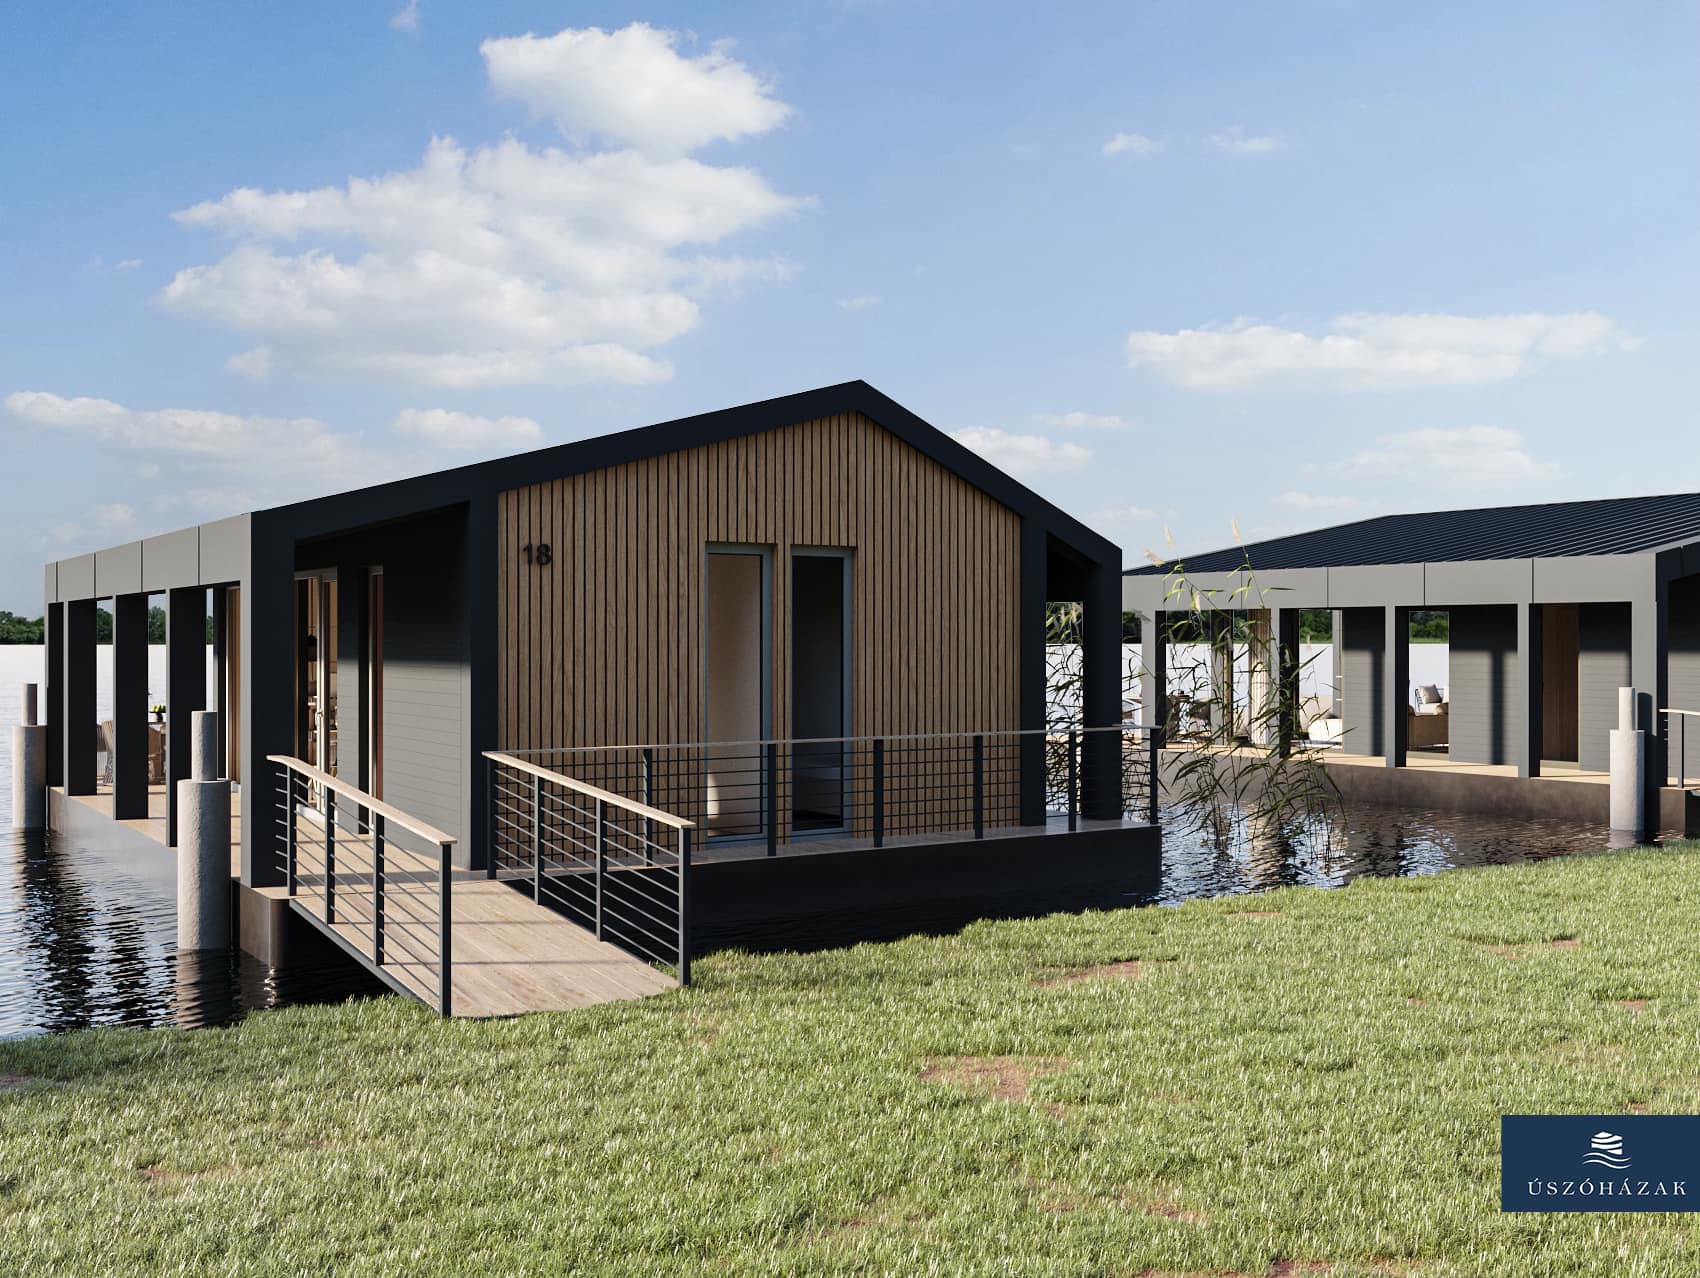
15, 629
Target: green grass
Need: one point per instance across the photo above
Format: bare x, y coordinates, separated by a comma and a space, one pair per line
1318, 1084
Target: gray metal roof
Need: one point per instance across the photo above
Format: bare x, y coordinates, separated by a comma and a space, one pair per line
1613, 526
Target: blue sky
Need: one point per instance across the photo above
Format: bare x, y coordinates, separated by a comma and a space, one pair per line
1174, 264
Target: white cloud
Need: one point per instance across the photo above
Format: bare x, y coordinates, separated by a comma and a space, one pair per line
861, 302
633, 87
240, 462
1373, 351
1135, 144
406, 18
1236, 141
1081, 421
1316, 501
97, 523
1437, 459
1123, 525
498, 266
447, 429
1022, 454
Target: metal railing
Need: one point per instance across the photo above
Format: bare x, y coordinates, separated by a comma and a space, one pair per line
617, 867
1682, 717
378, 878
773, 792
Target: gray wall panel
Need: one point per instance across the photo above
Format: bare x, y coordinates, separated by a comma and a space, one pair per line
426, 752
1381, 584
119, 571
1602, 667
1593, 578
76, 578
50, 584
1485, 582
1363, 638
1482, 688
171, 560
224, 551
1684, 671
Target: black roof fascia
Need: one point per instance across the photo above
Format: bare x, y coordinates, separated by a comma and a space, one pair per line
322, 516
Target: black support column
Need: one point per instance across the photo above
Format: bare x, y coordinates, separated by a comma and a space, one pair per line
1285, 641
1531, 705
55, 693
130, 707
77, 678
268, 693
1154, 701
1395, 688
185, 688
1101, 693
1030, 662
1649, 672
221, 674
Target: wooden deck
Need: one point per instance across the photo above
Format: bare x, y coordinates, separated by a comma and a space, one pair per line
153, 825
510, 955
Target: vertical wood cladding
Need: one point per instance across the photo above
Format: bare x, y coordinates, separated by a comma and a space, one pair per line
603, 646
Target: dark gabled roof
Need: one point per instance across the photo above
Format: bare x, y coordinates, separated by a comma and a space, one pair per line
327, 514
1612, 526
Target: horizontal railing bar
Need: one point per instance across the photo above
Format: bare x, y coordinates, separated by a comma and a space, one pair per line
505, 759
390, 814
991, 737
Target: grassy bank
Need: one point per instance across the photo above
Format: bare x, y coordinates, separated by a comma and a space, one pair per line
1248, 1086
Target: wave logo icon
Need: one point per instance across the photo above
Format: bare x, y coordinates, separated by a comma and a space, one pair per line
1606, 1150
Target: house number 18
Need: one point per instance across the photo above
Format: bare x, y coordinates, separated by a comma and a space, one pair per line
540, 554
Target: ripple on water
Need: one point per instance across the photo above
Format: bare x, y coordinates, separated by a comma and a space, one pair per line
89, 938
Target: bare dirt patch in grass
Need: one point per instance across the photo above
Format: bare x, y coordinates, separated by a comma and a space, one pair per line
1565, 943
1126, 970
17, 1082
1504, 951
176, 1176
995, 1077
1635, 1005
1166, 1205
1414, 1001
882, 1212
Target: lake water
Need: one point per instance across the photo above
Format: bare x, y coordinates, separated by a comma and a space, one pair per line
88, 938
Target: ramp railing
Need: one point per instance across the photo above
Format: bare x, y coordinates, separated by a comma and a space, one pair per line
376, 878
615, 866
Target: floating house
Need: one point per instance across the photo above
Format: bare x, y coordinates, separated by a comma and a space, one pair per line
498, 730
1552, 609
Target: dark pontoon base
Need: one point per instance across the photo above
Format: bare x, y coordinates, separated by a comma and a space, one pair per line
876, 894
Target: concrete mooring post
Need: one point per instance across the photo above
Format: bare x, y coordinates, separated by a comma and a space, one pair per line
29, 766
1628, 769
203, 845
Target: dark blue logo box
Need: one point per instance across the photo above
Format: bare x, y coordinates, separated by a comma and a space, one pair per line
1599, 1162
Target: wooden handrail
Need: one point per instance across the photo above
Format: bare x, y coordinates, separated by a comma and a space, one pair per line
590, 791
393, 815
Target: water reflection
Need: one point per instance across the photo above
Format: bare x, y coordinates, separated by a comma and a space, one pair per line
1380, 841
87, 937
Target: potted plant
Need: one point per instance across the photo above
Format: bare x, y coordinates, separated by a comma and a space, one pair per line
158, 713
